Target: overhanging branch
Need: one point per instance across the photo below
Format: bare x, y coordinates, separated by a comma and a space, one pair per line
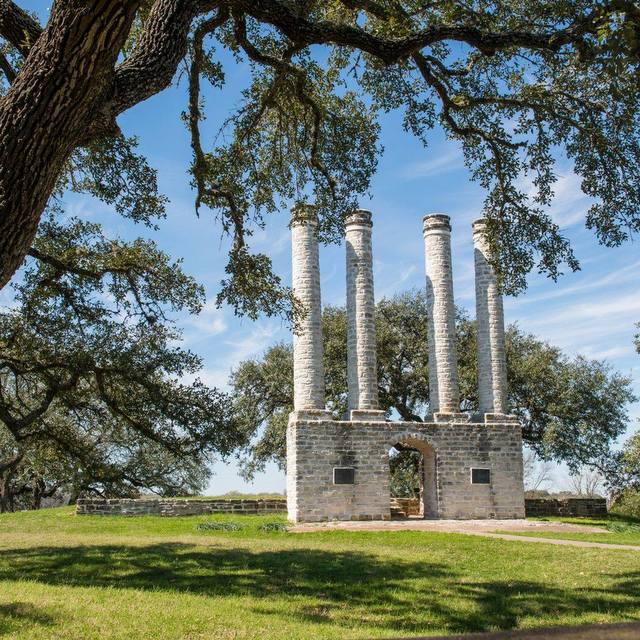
17, 27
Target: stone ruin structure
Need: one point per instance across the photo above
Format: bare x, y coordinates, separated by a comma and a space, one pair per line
339, 469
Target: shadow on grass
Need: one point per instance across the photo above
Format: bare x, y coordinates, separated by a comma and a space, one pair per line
339, 587
18, 614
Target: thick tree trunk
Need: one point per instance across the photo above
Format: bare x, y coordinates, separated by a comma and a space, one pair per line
4, 492
7, 469
47, 112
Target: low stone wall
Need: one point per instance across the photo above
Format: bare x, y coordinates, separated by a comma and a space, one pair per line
569, 507
177, 507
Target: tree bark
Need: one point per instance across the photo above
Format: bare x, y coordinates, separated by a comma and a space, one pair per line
7, 469
66, 78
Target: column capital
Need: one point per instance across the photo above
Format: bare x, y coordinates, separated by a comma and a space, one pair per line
436, 223
303, 214
479, 226
359, 217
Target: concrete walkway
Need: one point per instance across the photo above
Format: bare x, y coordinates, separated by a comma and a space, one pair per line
622, 631
485, 528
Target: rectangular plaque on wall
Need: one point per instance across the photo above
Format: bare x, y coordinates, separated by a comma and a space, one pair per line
344, 475
480, 476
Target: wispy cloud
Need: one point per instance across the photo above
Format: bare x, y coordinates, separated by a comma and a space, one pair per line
628, 273
255, 342
569, 204
271, 241
588, 327
232, 351
448, 161
210, 322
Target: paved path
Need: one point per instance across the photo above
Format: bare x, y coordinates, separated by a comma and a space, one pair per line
570, 543
623, 631
486, 528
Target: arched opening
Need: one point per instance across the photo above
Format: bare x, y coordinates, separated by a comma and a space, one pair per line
413, 479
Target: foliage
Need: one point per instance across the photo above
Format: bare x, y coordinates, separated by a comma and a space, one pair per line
571, 410
93, 385
628, 503
219, 526
114, 578
623, 473
404, 469
273, 526
518, 85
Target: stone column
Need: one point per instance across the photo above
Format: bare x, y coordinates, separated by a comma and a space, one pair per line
492, 363
444, 395
308, 366
361, 329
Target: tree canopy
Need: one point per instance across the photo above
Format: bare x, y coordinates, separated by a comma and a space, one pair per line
572, 409
96, 394
515, 83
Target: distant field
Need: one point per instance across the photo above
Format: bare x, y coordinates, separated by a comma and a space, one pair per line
69, 577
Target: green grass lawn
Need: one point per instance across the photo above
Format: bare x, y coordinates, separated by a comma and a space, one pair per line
64, 576
619, 530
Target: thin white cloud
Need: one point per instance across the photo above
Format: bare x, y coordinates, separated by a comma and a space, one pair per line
588, 327
255, 342
272, 242
569, 204
210, 322
448, 161
234, 351
628, 273
609, 353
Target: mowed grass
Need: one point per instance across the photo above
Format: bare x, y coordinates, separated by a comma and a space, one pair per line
64, 576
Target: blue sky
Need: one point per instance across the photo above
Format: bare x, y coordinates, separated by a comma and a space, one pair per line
591, 312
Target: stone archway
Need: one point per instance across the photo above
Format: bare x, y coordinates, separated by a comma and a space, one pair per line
428, 471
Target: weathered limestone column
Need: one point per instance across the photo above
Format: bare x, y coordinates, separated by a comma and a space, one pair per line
444, 395
492, 362
308, 366
361, 329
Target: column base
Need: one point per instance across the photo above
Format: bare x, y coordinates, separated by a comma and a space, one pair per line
310, 414
451, 417
500, 418
367, 415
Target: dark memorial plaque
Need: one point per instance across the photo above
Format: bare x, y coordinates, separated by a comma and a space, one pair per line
480, 476
344, 475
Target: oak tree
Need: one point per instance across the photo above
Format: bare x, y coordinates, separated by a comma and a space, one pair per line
96, 394
572, 410
514, 82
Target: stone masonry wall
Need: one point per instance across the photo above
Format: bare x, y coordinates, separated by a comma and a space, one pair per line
176, 507
315, 448
568, 507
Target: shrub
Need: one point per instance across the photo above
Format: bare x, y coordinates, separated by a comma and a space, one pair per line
627, 504
273, 526
219, 526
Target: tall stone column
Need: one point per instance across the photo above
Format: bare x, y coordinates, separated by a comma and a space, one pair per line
444, 395
361, 329
492, 362
308, 366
